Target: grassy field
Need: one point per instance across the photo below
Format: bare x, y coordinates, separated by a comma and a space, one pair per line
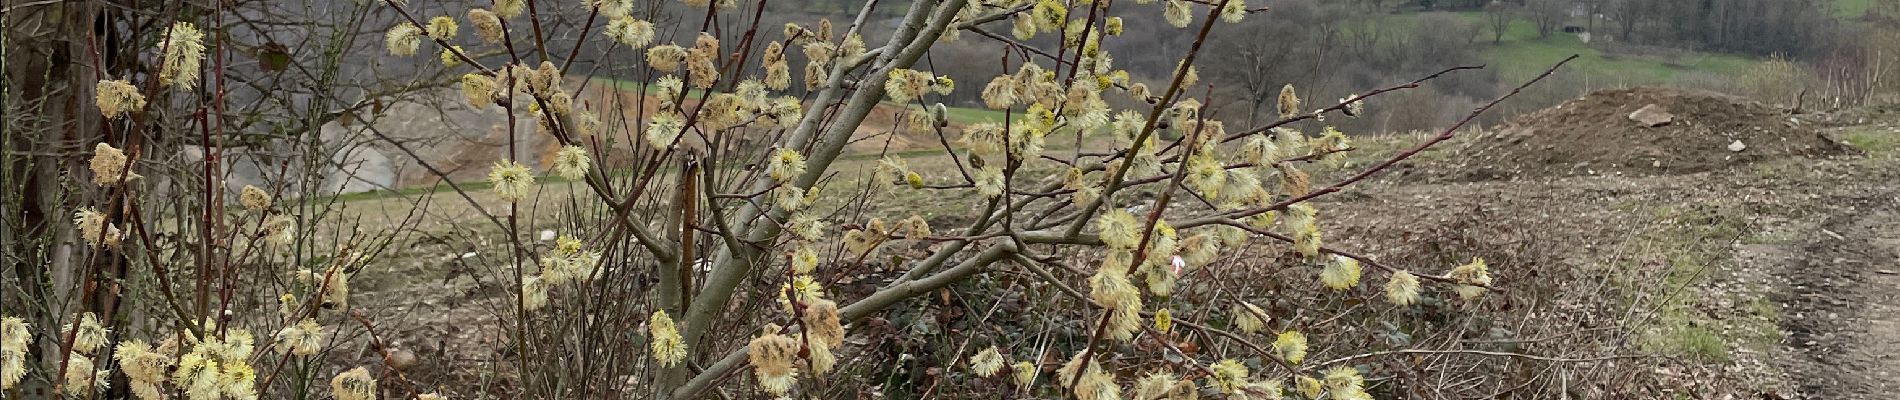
1852, 8
1522, 53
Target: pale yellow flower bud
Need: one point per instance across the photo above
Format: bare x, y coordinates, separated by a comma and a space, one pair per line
511, 180
109, 165
184, 51
115, 98
403, 39
572, 163
355, 384
1340, 273
668, 349
771, 356
487, 25
1249, 318
987, 363
629, 31
1290, 346
1402, 289
666, 57
510, 8
1177, 14
1229, 376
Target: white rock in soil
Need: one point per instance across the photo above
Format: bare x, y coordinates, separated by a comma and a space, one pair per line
1652, 116
1737, 146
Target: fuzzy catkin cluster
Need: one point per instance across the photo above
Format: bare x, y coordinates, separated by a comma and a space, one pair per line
254, 198
771, 356
115, 98
511, 180
668, 348
355, 384
184, 51
988, 362
216, 367
1162, 385
1473, 277
109, 166
1290, 346
304, 338
572, 163
635, 33
94, 228
144, 367
700, 59
1402, 289
403, 39
1250, 318
1090, 381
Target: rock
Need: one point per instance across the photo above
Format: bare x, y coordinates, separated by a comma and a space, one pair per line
1652, 116
400, 359
1737, 146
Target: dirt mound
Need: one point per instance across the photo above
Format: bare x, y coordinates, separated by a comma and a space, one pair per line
1642, 131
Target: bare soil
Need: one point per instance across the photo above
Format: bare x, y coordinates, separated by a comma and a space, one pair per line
1842, 299
1595, 135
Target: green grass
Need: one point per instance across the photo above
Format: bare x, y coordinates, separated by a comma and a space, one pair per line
1695, 242
1695, 342
1522, 54
1875, 141
1852, 8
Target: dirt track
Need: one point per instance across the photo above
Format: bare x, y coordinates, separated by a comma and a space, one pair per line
1842, 304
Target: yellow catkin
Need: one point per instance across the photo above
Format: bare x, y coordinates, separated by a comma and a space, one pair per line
1402, 289
94, 229
771, 356
1177, 14
115, 98
403, 39
1249, 318
1290, 346
90, 335
1229, 376
1118, 229
823, 322
668, 348
443, 28
108, 165
254, 198
666, 57
1340, 273
1473, 278
184, 52
355, 384
510, 8
786, 165
701, 60
511, 180
987, 363
572, 163
635, 33
487, 25
304, 338
1025, 374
